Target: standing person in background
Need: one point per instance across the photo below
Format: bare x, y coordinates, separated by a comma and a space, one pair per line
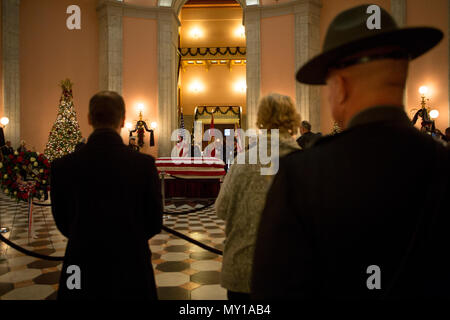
446, 137
7, 149
307, 138
243, 195
133, 144
365, 213
22, 147
106, 199
2, 138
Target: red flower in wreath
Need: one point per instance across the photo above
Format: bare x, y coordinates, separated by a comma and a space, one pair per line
16, 167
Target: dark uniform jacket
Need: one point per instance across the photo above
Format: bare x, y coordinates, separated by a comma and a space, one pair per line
308, 139
376, 194
106, 200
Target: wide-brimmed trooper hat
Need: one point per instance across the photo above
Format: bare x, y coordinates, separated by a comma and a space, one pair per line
349, 34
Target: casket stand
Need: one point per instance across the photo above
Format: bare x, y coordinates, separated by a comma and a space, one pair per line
198, 177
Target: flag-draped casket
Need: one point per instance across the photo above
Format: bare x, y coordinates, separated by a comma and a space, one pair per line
191, 177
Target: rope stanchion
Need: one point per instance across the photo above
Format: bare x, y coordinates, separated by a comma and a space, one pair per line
167, 229
28, 252
197, 243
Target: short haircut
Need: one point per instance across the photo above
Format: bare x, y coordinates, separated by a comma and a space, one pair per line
106, 110
277, 111
306, 125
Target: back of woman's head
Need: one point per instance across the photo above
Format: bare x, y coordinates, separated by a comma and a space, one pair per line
277, 111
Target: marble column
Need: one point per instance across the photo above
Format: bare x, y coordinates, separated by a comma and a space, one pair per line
110, 16
167, 79
398, 11
252, 21
307, 45
11, 69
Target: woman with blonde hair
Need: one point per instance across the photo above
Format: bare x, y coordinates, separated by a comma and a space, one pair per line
243, 194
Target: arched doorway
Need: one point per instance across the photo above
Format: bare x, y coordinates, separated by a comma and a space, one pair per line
212, 67
168, 65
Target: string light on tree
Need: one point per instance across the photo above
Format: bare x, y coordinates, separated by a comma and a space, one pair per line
65, 134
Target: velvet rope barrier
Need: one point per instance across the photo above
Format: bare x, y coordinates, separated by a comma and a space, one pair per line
28, 252
167, 229
197, 243
42, 204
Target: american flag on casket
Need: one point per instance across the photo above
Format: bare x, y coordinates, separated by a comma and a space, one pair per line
191, 167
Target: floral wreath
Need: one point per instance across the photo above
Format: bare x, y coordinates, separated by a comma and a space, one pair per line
25, 173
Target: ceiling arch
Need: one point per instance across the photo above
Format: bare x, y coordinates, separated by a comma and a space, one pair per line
177, 4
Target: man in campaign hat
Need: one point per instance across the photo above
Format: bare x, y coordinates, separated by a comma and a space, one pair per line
357, 216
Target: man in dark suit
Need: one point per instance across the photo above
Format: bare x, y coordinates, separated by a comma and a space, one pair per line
365, 213
132, 145
446, 137
106, 200
307, 138
80, 144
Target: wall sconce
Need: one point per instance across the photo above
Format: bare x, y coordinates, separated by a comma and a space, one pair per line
434, 114
153, 125
140, 107
196, 33
240, 86
423, 90
3, 123
196, 87
424, 113
240, 32
140, 128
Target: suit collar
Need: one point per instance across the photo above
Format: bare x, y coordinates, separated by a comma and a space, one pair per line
105, 136
385, 114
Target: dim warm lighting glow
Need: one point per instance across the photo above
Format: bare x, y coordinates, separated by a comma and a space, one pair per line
196, 33
153, 125
240, 86
252, 2
240, 32
128, 125
4, 121
423, 90
140, 107
196, 86
434, 114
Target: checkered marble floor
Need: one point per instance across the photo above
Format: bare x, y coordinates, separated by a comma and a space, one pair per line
183, 270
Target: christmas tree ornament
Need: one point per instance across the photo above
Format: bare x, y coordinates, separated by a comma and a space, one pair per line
65, 134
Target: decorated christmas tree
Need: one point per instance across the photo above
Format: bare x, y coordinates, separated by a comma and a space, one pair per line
65, 134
